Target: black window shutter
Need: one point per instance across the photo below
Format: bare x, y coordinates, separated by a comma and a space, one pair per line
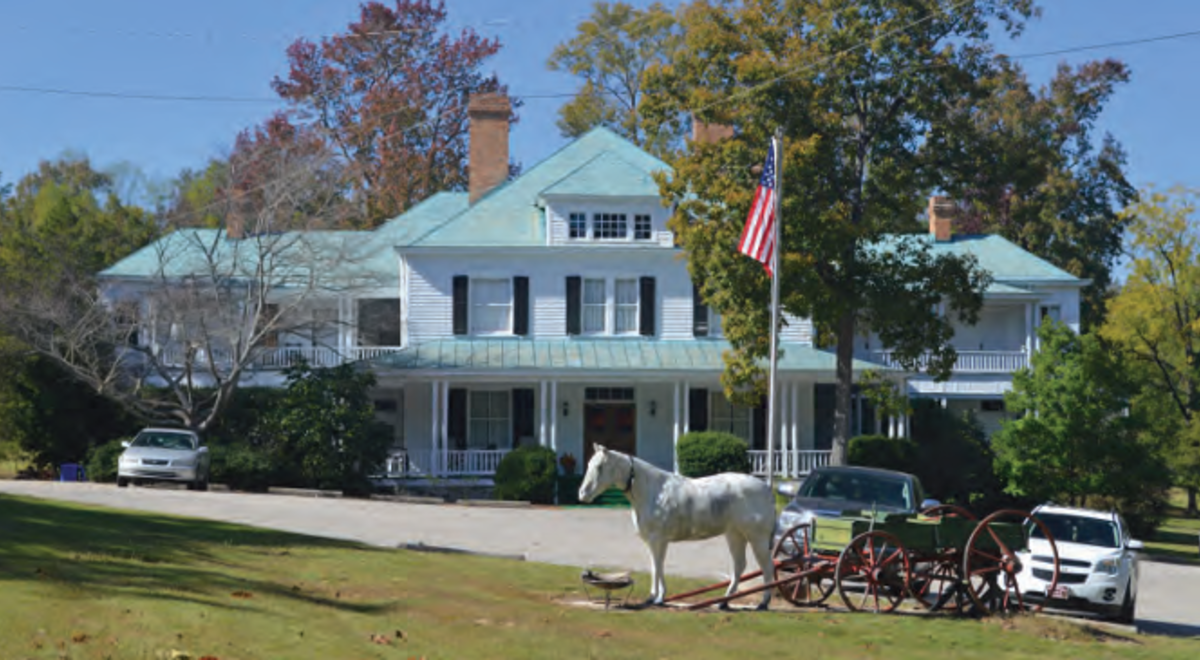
522, 414
646, 300
521, 305
759, 422
461, 304
574, 305
824, 400
697, 410
699, 314
456, 422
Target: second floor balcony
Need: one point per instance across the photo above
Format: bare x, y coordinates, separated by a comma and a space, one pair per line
969, 362
279, 358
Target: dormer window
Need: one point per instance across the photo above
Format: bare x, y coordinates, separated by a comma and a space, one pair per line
610, 226
641, 227
578, 227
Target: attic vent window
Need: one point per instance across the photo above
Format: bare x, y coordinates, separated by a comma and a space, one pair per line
641, 227
610, 225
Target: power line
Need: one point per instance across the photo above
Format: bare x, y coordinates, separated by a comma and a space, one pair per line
193, 98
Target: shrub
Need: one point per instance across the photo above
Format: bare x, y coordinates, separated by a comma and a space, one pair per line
101, 461
241, 467
705, 453
880, 451
527, 473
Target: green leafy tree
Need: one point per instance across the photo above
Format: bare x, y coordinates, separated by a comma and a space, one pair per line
611, 53
1155, 318
1041, 176
866, 94
324, 431
1078, 438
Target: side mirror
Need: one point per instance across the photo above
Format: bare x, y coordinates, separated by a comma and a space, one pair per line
1134, 544
788, 489
929, 504
202, 449
126, 443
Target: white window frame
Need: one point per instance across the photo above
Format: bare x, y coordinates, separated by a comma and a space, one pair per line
506, 420
595, 229
472, 292
637, 306
723, 416
604, 307
649, 220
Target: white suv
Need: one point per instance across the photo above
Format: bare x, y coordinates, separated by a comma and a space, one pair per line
1098, 568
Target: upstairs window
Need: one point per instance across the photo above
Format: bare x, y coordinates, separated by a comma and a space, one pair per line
595, 306
610, 226
491, 307
578, 226
379, 322
627, 307
641, 228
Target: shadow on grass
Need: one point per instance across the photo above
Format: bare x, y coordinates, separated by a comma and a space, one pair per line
154, 556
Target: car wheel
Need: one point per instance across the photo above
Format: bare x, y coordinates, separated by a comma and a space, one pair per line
202, 485
1125, 614
122, 482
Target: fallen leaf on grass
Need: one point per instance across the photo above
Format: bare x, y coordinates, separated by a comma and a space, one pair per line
604, 633
242, 594
381, 639
79, 638
209, 657
400, 635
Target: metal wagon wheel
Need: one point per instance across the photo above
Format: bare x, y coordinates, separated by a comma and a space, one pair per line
876, 564
991, 564
793, 555
937, 582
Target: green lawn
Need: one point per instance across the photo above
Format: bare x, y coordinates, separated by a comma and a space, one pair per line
92, 583
1178, 538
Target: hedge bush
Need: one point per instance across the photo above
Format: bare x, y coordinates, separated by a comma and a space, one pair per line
528, 474
241, 467
705, 453
101, 461
880, 451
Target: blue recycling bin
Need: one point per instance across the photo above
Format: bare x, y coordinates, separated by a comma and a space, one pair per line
71, 472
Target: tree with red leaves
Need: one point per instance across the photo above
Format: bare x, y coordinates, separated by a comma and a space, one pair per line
390, 97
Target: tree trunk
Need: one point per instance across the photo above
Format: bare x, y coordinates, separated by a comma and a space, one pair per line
845, 385
1191, 507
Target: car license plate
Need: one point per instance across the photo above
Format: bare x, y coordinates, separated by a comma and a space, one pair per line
1059, 591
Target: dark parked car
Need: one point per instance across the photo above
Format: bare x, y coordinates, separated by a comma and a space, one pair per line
830, 490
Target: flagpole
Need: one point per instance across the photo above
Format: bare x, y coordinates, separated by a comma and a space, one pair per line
776, 144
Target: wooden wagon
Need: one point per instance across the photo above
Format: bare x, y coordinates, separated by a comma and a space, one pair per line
943, 558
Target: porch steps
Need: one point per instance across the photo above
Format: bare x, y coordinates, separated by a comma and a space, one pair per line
613, 497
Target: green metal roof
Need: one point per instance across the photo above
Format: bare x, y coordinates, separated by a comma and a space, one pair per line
1006, 261
508, 216
590, 355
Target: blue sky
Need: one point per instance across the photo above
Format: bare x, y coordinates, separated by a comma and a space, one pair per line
234, 48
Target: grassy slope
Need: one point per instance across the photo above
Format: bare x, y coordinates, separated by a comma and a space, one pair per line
80, 582
1179, 536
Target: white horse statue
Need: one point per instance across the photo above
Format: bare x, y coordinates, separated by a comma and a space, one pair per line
668, 507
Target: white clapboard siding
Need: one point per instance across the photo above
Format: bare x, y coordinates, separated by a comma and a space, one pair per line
796, 330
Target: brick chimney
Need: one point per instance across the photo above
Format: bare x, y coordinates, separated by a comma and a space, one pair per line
710, 133
235, 226
488, 158
942, 212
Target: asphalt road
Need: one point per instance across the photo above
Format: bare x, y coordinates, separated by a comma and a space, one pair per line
1168, 603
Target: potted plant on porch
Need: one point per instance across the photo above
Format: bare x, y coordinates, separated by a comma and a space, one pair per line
568, 481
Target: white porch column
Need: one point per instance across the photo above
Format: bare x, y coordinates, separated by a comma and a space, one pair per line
675, 410
784, 454
687, 406
1029, 332
554, 417
435, 414
795, 403
542, 436
891, 433
445, 413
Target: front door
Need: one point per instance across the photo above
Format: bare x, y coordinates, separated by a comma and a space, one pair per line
610, 424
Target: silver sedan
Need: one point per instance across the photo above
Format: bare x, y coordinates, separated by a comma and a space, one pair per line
164, 455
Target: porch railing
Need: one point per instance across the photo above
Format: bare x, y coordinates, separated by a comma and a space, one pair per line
985, 362
410, 463
279, 358
788, 463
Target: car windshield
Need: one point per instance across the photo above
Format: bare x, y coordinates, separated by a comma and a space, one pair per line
859, 487
1077, 529
163, 440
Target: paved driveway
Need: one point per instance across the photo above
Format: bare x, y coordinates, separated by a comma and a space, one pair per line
1169, 601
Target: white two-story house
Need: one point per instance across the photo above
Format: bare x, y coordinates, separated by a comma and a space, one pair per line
555, 309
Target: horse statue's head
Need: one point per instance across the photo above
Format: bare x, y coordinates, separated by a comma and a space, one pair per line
604, 469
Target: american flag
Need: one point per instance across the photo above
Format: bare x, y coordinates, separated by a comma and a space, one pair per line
758, 237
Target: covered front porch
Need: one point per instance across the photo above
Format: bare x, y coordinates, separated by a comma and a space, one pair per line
459, 406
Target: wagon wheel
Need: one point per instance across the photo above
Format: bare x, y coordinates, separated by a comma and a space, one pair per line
937, 582
877, 564
991, 564
792, 556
